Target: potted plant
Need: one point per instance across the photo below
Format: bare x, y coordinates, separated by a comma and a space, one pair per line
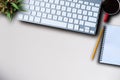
10, 7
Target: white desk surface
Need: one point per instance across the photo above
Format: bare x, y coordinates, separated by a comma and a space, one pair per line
33, 52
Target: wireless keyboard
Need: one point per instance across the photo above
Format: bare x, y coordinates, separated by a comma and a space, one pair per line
75, 15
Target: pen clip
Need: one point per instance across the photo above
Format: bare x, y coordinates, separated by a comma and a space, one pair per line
106, 17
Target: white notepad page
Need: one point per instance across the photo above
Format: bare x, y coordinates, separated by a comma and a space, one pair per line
110, 52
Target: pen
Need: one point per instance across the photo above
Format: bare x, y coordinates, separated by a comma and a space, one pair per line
97, 44
106, 18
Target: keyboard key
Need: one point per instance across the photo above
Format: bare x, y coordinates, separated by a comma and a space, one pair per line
42, 9
76, 27
33, 13
62, 2
86, 3
65, 19
74, 10
58, 13
95, 14
70, 0
83, 7
55, 17
76, 21
97, 5
42, 4
67, 3
31, 18
77, 5
74, 16
88, 8
60, 18
53, 11
39, 14
84, 12
81, 22
86, 30
37, 20
25, 17
32, 7
70, 26
54, 23
53, 6
95, 9
32, 2
49, 16
92, 19
47, 10
69, 9
63, 8
79, 11
75, 1
79, 16
44, 15
72, 5
37, 8
81, 2
81, 29
47, 5
46, 0
85, 17
92, 4
90, 24
64, 13
70, 20
58, 7
69, 14
56, 1
20, 16
51, 1
92, 32
37, 3
90, 13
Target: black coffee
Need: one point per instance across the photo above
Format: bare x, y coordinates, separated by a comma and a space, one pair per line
111, 6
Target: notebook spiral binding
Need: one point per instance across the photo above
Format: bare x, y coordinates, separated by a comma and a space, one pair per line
102, 44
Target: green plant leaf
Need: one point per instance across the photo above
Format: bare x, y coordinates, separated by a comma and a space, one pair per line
5, 2
15, 6
3, 9
19, 1
10, 7
9, 16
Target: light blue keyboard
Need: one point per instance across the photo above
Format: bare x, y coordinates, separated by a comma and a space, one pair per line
75, 15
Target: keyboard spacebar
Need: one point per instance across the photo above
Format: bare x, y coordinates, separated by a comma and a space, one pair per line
53, 23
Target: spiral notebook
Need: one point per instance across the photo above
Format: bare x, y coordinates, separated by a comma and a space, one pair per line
110, 48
